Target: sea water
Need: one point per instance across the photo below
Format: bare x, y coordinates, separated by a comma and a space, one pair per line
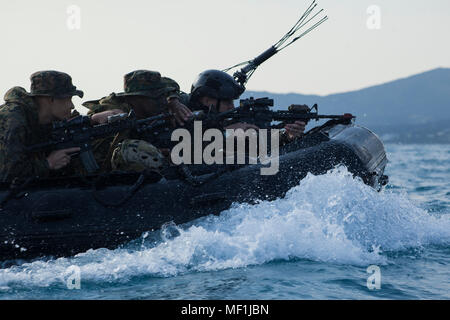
322, 241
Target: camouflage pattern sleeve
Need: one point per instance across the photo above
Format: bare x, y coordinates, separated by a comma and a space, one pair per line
170, 88
14, 160
110, 102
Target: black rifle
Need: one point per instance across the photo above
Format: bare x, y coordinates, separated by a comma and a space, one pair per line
258, 112
79, 132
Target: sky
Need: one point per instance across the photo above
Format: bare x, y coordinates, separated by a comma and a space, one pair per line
356, 48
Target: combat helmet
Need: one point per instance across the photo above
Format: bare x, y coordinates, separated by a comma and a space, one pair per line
215, 84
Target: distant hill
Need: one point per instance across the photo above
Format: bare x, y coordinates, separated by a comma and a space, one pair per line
415, 109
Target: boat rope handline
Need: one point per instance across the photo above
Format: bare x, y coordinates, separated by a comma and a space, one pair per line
129, 194
196, 181
14, 191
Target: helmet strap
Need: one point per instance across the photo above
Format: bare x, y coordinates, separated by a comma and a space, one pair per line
218, 105
215, 108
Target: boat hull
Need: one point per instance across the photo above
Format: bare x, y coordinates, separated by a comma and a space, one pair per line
69, 217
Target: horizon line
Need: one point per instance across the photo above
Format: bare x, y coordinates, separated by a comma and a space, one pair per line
355, 90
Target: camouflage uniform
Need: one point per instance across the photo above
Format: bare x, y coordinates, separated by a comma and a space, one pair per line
19, 125
137, 83
127, 151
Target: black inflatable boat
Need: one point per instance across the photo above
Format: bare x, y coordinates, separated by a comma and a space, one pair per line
62, 217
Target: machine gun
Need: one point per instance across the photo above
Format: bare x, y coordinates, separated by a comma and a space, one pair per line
258, 112
79, 132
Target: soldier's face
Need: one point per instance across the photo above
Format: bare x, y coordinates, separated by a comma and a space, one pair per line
225, 105
145, 107
62, 108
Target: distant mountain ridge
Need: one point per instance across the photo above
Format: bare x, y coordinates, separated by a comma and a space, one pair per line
419, 101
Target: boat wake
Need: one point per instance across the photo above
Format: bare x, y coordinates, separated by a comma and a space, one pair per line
332, 218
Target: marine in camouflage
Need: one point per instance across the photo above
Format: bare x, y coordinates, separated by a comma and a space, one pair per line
137, 83
20, 127
123, 151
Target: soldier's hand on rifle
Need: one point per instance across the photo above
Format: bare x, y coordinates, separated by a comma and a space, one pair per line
102, 117
295, 130
60, 158
179, 111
